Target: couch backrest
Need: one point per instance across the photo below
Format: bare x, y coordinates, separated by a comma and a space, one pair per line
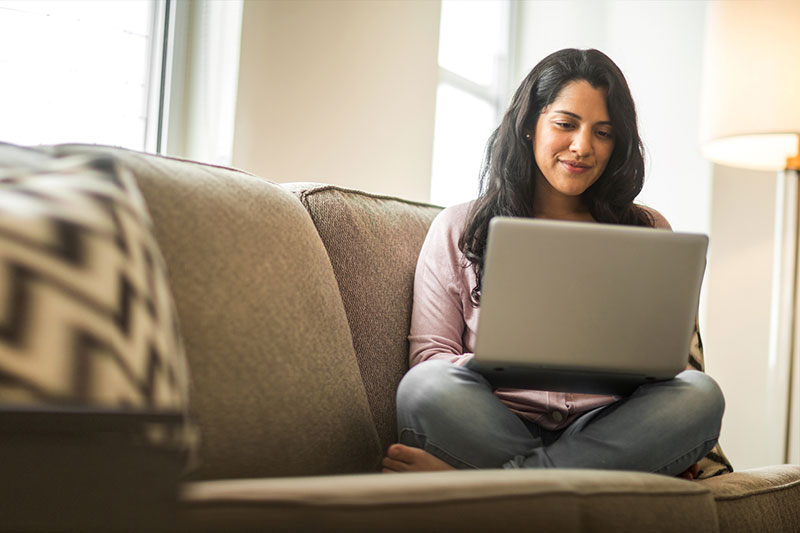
373, 242
276, 389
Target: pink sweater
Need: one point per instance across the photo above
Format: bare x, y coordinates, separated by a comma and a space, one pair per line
443, 321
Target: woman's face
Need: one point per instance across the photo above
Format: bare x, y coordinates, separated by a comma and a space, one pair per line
573, 141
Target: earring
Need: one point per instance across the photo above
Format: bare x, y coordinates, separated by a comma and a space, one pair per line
527, 136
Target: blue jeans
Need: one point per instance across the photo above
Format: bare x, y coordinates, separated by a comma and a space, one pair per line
664, 427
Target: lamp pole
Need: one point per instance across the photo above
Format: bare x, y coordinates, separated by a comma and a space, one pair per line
785, 320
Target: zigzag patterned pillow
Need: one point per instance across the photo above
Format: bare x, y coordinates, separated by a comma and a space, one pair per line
87, 317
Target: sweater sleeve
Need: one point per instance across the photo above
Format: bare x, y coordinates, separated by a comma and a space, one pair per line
437, 316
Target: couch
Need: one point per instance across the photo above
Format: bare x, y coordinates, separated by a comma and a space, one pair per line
294, 304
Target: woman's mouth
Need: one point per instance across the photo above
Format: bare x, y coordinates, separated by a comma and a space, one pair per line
576, 167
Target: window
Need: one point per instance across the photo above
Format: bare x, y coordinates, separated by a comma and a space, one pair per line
80, 71
153, 75
474, 61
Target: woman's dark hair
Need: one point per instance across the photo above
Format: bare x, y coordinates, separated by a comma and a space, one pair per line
507, 173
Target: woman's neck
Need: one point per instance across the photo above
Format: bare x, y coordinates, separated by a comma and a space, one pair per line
549, 203
584, 216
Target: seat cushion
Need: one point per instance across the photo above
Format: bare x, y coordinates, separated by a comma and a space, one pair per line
276, 389
760, 499
485, 500
373, 242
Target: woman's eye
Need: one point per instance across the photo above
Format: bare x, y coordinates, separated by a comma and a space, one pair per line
563, 125
605, 134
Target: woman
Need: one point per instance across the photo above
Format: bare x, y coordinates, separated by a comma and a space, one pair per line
568, 148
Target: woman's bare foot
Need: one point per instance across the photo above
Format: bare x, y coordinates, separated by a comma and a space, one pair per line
401, 458
691, 472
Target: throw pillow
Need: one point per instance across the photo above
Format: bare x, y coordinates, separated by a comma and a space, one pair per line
87, 320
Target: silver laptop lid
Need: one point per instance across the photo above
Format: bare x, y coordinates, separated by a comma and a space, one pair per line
609, 298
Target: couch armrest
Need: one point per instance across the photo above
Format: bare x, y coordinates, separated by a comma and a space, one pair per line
758, 499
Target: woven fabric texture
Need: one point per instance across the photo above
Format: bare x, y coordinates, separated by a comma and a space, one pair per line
759, 499
373, 242
276, 389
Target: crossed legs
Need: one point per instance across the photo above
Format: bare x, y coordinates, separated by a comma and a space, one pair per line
448, 417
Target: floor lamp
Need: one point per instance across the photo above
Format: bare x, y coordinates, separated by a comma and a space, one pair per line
751, 119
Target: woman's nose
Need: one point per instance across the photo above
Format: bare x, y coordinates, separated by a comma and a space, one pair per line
581, 143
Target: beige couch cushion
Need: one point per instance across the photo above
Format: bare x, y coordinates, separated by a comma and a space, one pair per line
760, 499
276, 389
373, 242
485, 500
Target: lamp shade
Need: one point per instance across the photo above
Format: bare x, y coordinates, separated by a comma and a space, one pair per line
751, 83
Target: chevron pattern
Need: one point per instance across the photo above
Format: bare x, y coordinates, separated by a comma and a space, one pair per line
86, 314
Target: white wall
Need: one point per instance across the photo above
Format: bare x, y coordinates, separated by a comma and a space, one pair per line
737, 331
339, 92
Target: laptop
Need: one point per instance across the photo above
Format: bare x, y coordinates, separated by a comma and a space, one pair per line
590, 308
